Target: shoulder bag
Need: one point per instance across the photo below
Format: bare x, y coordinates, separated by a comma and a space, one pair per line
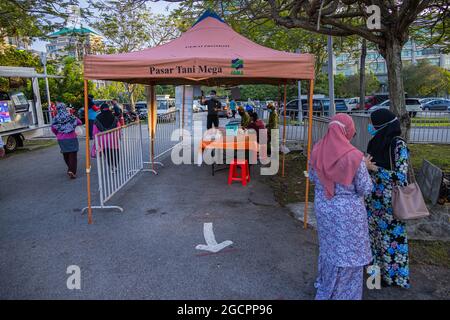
407, 201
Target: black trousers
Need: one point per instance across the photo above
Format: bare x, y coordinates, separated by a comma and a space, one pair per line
71, 161
233, 113
112, 157
212, 119
91, 128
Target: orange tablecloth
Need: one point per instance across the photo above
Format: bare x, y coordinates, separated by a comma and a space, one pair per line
230, 142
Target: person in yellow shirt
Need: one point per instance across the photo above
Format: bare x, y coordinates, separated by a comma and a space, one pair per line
273, 117
245, 117
273, 124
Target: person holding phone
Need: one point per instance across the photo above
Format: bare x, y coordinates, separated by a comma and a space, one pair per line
214, 106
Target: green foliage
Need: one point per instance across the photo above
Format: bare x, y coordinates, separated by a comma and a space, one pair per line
347, 87
16, 58
71, 87
262, 31
425, 79
130, 26
30, 18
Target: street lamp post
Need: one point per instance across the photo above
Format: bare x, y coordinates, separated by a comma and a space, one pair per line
44, 63
332, 110
299, 91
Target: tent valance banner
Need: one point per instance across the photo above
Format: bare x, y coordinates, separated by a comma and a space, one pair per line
210, 53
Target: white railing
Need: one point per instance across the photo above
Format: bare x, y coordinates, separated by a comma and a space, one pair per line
430, 127
118, 154
166, 124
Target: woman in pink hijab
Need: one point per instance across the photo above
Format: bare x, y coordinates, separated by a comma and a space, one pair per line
341, 180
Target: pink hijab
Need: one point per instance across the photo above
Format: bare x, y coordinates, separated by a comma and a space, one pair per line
333, 158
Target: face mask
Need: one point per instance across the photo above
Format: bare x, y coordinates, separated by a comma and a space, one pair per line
371, 129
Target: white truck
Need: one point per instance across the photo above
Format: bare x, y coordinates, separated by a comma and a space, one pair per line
20, 118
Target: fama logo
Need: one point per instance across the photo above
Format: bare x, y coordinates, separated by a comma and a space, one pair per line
237, 65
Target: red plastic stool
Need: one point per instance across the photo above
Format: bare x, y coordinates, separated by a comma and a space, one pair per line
245, 172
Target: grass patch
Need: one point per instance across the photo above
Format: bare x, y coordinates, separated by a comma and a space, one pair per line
435, 253
31, 145
290, 188
430, 122
437, 154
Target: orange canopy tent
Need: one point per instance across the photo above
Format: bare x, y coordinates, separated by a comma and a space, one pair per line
210, 53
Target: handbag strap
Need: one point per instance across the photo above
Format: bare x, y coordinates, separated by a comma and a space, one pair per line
410, 173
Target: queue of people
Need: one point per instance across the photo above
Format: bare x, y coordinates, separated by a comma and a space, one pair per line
64, 126
353, 206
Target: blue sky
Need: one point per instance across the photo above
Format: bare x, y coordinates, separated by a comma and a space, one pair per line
156, 7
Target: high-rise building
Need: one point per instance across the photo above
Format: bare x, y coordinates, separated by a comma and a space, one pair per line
348, 64
75, 39
21, 43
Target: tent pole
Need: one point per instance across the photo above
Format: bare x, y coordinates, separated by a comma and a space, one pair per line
284, 128
182, 109
311, 89
151, 123
88, 157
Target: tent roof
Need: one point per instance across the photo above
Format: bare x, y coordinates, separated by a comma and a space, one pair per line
209, 53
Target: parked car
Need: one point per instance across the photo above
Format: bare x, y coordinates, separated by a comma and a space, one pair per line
141, 109
292, 107
368, 103
412, 106
437, 105
197, 107
352, 103
224, 112
341, 105
426, 100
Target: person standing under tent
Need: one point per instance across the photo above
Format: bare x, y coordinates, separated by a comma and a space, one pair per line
273, 117
214, 106
272, 124
233, 108
63, 126
256, 124
92, 114
109, 142
339, 172
245, 118
388, 235
117, 110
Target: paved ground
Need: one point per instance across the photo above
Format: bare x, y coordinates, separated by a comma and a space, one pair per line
148, 252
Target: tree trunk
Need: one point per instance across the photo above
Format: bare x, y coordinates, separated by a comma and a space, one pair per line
362, 75
392, 55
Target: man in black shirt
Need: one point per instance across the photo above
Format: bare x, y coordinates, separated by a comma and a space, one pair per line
214, 105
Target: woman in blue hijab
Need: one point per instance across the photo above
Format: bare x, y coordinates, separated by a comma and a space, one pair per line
63, 126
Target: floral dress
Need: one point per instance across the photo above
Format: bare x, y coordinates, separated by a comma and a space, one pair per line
389, 242
344, 243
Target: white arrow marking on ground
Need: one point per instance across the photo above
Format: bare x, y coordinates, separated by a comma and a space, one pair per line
211, 243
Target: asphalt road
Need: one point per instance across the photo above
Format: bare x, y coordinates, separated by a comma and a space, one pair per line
149, 251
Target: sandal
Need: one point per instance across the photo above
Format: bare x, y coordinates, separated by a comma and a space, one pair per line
71, 175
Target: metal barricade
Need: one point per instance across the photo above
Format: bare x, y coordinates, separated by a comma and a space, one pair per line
166, 124
430, 127
294, 128
362, 137
118, 155
320, 127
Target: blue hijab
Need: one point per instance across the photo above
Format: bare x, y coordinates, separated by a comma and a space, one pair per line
63, 121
